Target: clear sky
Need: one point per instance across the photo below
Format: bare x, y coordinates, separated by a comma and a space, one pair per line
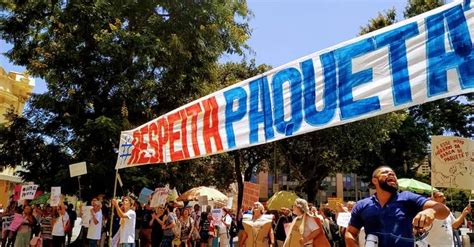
284, 30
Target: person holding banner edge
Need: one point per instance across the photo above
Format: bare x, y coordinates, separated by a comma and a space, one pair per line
389, 216
127, 222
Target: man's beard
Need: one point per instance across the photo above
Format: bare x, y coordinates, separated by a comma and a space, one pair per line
385, 186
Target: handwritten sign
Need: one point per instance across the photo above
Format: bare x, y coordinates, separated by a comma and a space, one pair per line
28, 192
77, 169
55, 196
6, 221
418, 60
251, 193
343, 219
333, 201
452, 162
203, 201
159, 197
217, 215
86, 215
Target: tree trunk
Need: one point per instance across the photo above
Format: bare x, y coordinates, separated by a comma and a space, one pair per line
238, 177
311, 189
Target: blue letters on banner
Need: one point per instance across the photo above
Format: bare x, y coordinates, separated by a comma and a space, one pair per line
260, 95
395, 39
313, 116
232, 116
348, 80
325, 87
439, 61
292, 76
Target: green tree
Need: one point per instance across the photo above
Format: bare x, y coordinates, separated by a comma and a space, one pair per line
316, 155
113, 65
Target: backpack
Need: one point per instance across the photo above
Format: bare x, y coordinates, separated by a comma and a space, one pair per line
233, 229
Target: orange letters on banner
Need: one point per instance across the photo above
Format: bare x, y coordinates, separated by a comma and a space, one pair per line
184, 134
174, 136
162, 136
135, 151
152, 133
211, 125
193, 112
143, 146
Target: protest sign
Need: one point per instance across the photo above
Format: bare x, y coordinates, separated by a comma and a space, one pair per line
28, 192
414, 61
144, 196
452, 162
230, 202
251, 193
217, 215
343, 219
77, 169
159, 197
6, 221
55, 196
203, 201
86, 215
333, 201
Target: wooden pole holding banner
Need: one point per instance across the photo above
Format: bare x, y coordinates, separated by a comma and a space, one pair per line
112, 209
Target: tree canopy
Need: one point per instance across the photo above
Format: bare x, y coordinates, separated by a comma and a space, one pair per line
113, 65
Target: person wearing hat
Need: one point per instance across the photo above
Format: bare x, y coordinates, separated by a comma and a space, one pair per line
304, 228
258, 230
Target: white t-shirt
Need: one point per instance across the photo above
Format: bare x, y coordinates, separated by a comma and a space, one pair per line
441, 235
94, 231
58, 227
223, 228
127, 228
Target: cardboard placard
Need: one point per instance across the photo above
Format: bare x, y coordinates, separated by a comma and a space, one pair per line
203, 201
6, 221
251, 193
86, 215
28, 192
217, 215
333, 201
452, 162
77, 169
55, 196
144, 196
343, 219
159, 197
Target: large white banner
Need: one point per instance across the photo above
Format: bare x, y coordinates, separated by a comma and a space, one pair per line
452, 162
418, 60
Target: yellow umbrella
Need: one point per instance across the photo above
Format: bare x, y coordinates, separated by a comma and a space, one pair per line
194, 194
282, 199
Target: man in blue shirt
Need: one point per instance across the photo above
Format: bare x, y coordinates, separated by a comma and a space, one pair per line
388, 216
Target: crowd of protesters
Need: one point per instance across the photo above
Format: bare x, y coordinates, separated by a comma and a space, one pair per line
49, 226
180, 225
